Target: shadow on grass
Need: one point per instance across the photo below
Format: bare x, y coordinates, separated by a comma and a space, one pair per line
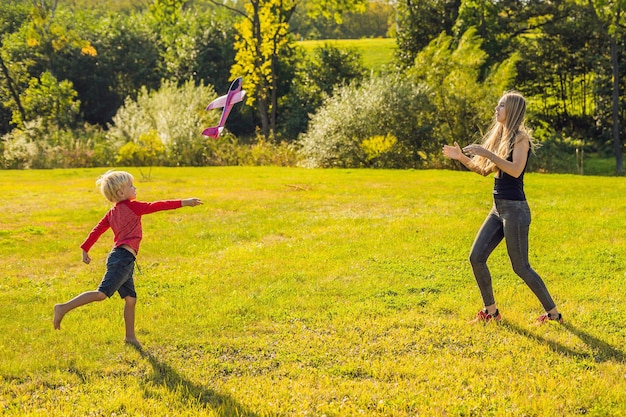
165, 375
600, 350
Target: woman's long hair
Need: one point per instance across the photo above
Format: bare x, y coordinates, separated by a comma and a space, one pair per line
501, 137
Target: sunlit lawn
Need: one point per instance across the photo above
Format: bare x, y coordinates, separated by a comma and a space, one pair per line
312, 292
376, 52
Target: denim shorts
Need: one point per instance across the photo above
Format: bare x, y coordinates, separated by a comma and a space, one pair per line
119, 274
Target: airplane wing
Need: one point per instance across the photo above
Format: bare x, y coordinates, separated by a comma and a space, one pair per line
217, 103
239, 96
221, 101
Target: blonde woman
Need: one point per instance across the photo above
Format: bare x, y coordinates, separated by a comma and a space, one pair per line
124, 218
504, 151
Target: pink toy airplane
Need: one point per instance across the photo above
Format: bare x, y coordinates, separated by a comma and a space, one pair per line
235, 95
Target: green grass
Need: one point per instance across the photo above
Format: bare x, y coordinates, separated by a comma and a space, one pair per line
376, 53
296, 292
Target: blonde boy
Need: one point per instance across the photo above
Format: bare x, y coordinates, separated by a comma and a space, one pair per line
124, 218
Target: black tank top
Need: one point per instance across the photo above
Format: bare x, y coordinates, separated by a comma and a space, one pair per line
507, 187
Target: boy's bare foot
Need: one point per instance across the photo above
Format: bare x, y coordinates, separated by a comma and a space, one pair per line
133, 342
58, 316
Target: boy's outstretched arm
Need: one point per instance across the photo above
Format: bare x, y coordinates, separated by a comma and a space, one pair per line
191, 202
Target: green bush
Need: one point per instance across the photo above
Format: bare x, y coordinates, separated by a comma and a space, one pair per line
267, 153
147, 150
228, 150
556, 153
318, 75
18, 151
384, 151
36, 146
390, 105
174, 114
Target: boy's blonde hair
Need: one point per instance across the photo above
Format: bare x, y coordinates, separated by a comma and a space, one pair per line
113, 181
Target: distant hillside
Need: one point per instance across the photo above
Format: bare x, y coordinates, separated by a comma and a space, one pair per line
376, 53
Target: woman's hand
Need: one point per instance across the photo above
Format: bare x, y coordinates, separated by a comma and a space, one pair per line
453, 152
478, 150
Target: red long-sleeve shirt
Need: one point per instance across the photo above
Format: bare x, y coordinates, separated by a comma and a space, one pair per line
125, 220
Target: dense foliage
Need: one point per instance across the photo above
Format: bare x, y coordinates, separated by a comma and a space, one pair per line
70, 73
317, 77
405, 121
570, 62
380, 124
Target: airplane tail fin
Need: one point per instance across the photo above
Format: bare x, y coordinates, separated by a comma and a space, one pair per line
213, 132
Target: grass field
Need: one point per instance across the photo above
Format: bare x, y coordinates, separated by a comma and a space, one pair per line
296, 292
376, 53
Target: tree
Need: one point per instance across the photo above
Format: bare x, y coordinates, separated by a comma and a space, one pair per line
202, 47
463, 97
421, 21
609, 16
13, 96
49, 100
128, 58
34, 49
317, 77
557, 70
263, 38
570, 71
51, 35
12, 15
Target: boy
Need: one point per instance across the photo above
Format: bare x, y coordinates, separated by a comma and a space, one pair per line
124, 218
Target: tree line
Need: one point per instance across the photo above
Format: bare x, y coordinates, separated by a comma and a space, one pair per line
92, 86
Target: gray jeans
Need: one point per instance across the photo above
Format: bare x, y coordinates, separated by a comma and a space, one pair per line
508, 220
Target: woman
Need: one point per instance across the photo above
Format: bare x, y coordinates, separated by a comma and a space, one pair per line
504, 151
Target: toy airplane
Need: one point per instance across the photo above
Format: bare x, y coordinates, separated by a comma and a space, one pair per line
235, 95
